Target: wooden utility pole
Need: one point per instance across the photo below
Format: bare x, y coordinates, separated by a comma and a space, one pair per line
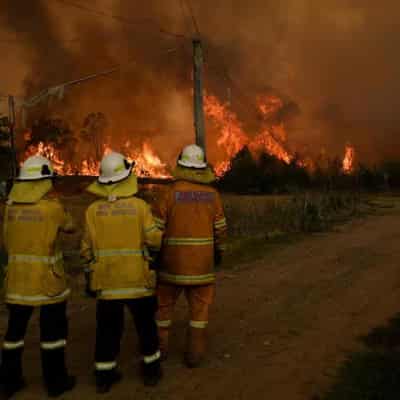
198, 94
11, 109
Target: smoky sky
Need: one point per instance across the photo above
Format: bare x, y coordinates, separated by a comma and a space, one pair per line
336, 59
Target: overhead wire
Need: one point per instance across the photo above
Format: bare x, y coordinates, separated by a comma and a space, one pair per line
242, 98
106, 72
121, 19
193, 17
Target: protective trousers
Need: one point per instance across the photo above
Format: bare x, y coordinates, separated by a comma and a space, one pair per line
53, 340
199, 299
110, 326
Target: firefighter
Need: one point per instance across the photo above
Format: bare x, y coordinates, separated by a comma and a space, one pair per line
120, 232
35, 277
192, 218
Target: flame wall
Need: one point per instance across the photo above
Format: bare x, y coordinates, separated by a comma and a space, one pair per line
338, 62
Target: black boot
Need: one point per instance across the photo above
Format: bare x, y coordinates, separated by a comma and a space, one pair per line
12, 387
151, 373
106, 379
65, 384
56, 378
11, 378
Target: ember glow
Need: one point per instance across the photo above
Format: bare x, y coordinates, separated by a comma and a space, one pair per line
229, 134
232, 137
147, 163
348, 160
271, 139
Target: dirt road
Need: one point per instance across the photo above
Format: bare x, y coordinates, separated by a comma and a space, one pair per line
280, 326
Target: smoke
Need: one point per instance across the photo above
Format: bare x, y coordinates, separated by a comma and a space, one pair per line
338, 62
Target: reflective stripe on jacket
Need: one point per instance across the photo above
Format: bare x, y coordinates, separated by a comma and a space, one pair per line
35, 272
192, 218
116, 240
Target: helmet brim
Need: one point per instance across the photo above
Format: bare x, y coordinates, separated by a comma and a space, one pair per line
30, 179
115, 179
200, 165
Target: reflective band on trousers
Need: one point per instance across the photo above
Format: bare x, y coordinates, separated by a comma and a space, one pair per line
57, 344
189, 241
31, 258
152, 358
119, 252
190, 279
105, 366
164, 324
198, 324
128, 291
13, 345
17, 297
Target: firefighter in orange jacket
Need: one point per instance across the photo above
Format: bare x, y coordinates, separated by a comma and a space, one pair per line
191, 215
120, 231
35, 277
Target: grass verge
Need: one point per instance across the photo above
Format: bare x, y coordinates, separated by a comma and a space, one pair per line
373, 373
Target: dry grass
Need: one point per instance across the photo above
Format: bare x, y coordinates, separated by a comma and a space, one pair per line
270, 215
265, 217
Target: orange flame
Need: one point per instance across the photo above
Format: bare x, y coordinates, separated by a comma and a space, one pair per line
271, 138
232, 137
146, 161
348, 160
269, 105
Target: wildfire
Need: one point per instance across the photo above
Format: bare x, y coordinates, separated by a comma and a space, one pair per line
49, 152
271, 138
269, 105
147, 163
232, 138
348, 160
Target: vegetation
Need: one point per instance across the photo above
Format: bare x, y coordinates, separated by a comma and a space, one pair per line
269, 215
269, 175
372, 374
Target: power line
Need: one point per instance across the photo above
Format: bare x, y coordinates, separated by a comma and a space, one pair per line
184, 15
46, 92
122, 19
243, 99
193, 17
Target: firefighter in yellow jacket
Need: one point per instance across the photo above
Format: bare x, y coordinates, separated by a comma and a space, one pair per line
35, 277
191, 215
120, 231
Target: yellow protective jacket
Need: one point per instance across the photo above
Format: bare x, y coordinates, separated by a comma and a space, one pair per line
35, 272
117, 236
192, 218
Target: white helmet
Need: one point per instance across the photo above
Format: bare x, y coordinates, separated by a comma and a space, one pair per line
35, 168
192, 157
114, 168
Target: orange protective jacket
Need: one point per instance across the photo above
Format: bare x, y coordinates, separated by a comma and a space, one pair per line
192, 218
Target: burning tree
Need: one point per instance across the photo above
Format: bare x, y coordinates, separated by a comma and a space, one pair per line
93, 131
54, 139
348, 163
